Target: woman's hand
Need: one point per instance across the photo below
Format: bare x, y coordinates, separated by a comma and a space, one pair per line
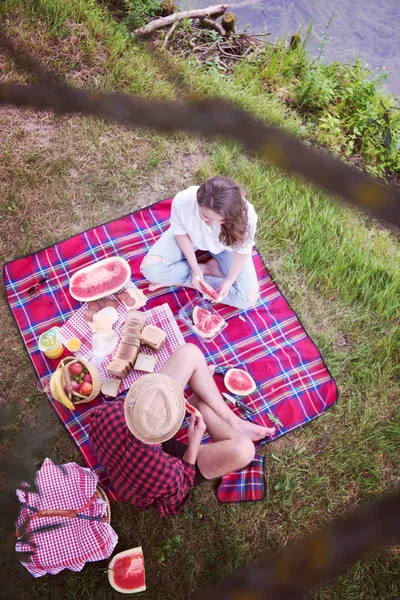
224, 289
196, 430
196, 272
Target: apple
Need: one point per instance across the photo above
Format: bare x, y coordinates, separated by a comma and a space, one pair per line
75, 385
85, 388
87, 377
75, 368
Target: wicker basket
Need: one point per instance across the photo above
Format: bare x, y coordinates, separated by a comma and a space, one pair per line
94, 374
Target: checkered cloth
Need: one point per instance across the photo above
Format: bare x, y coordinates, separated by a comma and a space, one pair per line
160, 316
246, 485
294, 385
76, 540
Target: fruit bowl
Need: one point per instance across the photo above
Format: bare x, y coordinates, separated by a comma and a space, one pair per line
94, 374
186, 315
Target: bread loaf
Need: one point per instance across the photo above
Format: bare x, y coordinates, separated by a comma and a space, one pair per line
128, 348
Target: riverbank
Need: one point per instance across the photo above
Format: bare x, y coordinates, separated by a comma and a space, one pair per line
339, 271
343, 107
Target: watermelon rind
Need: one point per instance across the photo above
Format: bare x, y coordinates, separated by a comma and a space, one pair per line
131, 552
111, 289
239, 390
206, 334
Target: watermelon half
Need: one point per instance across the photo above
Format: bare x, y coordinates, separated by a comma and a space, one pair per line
103, 278
206, 323
126, 571
206, 289
239, 382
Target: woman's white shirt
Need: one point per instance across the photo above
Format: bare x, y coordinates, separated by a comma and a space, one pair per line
185, 219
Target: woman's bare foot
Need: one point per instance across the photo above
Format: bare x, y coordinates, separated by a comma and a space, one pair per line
211, 267
253, 431
211, 368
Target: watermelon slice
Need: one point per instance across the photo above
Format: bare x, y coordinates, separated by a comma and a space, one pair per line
126, 571
206, 323
206, 289
103, 278
200, 314
239, 382
191, 409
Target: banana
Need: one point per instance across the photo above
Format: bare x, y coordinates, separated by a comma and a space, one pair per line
61, 396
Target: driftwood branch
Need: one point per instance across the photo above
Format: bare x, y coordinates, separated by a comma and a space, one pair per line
214, 25
210, 11
169, 35
211, 118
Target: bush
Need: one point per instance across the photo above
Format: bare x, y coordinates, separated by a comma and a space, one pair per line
138, 12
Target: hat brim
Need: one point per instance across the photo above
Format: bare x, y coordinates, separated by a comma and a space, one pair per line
138, 389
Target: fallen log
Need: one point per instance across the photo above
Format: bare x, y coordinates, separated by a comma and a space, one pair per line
217, 10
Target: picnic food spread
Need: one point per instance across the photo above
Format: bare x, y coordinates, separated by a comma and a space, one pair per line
126, 571
101, 279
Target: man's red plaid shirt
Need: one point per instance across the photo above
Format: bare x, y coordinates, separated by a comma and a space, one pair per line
142, 474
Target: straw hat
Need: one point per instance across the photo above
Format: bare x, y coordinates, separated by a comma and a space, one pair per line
154, 408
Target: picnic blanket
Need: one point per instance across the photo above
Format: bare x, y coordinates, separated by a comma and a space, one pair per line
268, 340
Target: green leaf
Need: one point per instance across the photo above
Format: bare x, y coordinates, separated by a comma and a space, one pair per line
275, 419
387, 139
374, 122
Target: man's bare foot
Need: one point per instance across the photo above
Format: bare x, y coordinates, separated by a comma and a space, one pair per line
253, 431
211, 267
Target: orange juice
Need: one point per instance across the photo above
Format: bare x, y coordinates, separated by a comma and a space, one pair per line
49, 343
73, 344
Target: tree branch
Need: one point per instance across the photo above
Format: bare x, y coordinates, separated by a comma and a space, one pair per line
216, 10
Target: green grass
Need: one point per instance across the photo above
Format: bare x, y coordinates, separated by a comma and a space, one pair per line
339, 271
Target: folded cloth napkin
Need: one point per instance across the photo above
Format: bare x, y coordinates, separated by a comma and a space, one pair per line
246, 485
76, 539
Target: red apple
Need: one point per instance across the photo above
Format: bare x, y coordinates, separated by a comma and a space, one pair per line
75, 368
87, 377
85, 388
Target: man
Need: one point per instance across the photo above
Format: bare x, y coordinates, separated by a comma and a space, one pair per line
134, 440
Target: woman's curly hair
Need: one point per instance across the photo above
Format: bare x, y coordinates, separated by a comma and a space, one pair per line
225, 197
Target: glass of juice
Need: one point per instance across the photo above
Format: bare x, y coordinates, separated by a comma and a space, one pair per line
73, 344
50, 344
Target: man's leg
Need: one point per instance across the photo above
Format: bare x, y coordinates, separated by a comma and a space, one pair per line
230, 451
188, 366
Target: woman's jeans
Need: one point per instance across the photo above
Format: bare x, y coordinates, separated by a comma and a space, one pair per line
174, 269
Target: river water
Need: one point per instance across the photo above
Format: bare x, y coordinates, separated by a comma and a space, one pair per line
366, 28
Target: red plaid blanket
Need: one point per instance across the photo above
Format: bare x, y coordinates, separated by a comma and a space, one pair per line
294, 385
